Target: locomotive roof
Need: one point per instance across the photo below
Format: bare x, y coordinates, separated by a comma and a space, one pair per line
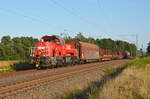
83, 43
54, 36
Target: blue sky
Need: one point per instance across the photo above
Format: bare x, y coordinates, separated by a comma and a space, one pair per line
116, 19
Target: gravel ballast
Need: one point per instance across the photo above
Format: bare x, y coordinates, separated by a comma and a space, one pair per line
62, 86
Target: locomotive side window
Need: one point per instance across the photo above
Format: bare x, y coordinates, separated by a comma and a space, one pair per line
49, 40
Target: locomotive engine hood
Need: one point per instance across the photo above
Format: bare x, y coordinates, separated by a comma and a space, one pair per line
44, 49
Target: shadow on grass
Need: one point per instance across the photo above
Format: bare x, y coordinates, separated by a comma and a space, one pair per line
22, 66
92, 92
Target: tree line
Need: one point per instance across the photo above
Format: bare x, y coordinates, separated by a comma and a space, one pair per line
17, 48
148, 49
104, 43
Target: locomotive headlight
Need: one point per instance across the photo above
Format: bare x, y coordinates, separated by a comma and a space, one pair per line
43, 54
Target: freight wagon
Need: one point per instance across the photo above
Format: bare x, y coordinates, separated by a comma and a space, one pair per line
86, 52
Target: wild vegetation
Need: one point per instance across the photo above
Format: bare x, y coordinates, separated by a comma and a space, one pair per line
148, 49
16, 48
13, 66
6, 69
132, 83
6, 66
7, 63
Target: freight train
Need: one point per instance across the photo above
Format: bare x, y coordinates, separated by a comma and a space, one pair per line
54, 51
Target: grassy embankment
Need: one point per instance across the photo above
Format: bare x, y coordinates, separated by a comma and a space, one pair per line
13, 66
133, 82
5, 66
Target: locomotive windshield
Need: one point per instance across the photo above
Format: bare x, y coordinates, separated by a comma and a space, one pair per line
49, 40
62, 42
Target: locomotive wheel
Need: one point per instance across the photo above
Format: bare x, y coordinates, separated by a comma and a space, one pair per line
74, 62
55, 66
38, 67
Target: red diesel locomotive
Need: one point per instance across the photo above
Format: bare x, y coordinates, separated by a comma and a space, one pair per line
53, 51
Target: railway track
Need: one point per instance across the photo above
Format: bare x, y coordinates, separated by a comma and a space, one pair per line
33, 71
11, 87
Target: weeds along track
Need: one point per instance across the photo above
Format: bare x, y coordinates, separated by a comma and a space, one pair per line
35, 81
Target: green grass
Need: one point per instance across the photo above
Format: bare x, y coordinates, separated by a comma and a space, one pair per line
140, 62
94, 93
132, 83
91, 93
109, 70
73, 94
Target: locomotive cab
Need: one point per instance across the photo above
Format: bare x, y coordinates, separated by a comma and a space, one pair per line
52, 51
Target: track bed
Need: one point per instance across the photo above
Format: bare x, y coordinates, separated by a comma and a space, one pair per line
22, 84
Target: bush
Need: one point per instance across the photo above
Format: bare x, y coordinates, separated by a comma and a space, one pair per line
140, 62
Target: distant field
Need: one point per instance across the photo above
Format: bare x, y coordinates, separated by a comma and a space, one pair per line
13, 66
7, 63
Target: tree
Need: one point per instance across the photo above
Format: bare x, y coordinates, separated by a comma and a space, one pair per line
2, 52
80, 37
16, 48
6, 40
148, 48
